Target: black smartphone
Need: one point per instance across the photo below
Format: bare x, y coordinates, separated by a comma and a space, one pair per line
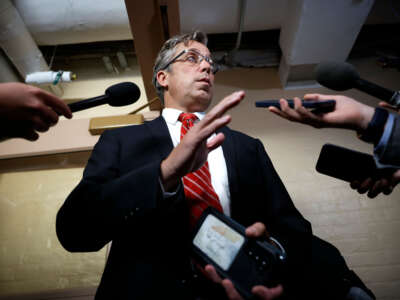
346, 164
222, 242
326, 105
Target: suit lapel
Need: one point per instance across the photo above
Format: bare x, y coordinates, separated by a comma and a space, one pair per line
162, 139
228, 148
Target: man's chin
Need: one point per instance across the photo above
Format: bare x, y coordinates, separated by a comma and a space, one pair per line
203, 101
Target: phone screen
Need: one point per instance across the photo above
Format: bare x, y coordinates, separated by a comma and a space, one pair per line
218, 241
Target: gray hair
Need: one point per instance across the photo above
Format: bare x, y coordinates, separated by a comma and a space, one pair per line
168, 50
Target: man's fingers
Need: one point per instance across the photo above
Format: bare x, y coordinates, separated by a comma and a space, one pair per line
212, 274
317, 97
38, 124
256, 230
387, 187
277, 111
297, 103
267, 293
291, 114
230, 290
365, 186
355, 184
48, 115
387, 105
211, 128
222, 107
56, 104
26, 133
376, 189
395, 178
215, 142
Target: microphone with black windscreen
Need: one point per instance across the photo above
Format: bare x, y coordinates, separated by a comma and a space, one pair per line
119, 94
341, 76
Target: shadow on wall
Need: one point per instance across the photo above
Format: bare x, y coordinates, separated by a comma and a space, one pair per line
255, 79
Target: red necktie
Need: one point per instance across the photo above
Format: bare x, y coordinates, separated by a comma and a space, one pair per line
197, 185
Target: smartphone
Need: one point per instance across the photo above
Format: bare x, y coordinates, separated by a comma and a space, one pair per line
222, 242
346, 164
326, 105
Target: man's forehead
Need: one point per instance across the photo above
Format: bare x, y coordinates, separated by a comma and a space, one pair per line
193, 45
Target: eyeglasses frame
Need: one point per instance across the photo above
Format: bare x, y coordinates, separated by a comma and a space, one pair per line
203, 57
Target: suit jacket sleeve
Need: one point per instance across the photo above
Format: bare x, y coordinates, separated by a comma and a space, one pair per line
390, 155
108, 201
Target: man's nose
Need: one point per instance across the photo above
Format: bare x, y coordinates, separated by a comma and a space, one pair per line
205, 66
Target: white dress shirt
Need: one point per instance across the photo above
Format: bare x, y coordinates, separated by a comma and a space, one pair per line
216, 159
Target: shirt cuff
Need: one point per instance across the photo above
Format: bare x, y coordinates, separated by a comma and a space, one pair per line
165, 194
385, 135
382, 144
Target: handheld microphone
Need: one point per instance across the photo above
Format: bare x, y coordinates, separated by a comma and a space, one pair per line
119, 94
343, 76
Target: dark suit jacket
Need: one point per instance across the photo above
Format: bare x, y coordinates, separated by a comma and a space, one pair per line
119, 199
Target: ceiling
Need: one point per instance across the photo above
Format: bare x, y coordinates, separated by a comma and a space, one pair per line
291, 35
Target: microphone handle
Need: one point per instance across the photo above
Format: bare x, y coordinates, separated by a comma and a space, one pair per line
88, 103
374, 90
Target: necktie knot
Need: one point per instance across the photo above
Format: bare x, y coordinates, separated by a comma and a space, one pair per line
187, 119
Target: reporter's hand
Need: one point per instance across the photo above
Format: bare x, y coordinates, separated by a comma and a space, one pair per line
26, 109
254, 231
348, 113
192, 151
374, 187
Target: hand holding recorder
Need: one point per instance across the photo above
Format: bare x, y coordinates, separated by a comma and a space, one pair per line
247, 262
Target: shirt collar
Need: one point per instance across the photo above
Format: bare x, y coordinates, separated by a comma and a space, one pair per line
171, 115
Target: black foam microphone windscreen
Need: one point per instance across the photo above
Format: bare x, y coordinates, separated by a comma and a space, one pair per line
122, 93
338, 76
119, 94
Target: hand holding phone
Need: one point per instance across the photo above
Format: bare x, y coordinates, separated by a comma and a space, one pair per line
326, 105
348, 165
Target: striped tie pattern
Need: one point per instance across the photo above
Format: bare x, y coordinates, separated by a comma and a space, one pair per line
197, 185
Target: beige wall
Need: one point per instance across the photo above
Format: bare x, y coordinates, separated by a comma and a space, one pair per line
365, 230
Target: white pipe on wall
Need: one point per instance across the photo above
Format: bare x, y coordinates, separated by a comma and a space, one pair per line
50, 77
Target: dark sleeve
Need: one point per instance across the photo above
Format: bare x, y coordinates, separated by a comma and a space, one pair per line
390, 154
105, 202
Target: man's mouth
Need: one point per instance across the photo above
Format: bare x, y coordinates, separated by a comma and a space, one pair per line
205, 80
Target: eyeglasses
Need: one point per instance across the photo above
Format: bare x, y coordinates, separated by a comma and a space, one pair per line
193, 57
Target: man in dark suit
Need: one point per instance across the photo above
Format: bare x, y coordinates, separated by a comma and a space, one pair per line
132, 192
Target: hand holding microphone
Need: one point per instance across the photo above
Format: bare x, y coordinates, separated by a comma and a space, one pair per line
26, 110
341, 76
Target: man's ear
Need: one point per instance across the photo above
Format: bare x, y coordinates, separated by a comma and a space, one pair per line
162, 78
